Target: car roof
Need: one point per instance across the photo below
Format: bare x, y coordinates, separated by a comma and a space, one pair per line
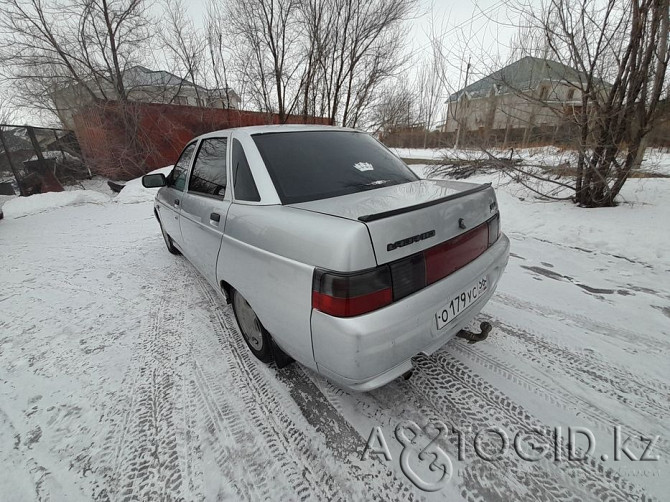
268, 129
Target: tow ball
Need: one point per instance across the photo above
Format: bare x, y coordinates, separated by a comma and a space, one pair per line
471, 337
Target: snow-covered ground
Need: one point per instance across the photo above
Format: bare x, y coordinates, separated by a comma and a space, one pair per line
123, 375
656, 160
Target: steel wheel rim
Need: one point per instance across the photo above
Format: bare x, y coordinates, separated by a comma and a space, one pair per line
249, 323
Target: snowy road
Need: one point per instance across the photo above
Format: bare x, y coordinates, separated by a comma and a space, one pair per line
123, 376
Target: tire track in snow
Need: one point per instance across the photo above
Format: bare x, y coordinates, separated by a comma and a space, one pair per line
461, 395
601, 328
628, 388
233, 439
188, 437
143, 449
340, 480
552, 394
342, 440
519, 236
284, 440
438, 392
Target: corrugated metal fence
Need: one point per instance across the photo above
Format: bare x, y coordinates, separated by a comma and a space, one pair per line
38, 159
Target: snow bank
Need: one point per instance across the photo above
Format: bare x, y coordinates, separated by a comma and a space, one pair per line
634, 229
656, 160
39, 203
134, 192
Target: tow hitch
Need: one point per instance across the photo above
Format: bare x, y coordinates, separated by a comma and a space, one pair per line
476, 337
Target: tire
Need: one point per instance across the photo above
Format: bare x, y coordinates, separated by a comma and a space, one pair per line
257, 337
168, 241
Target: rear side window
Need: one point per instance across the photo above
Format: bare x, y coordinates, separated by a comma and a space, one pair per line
208, 176
177, 177
245, 187
312, 165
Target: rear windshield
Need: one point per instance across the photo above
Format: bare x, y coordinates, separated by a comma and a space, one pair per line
312, 165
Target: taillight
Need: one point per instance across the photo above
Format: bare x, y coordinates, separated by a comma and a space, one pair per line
347, 295
352, 294
494, 229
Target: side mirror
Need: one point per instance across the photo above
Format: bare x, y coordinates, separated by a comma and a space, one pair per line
154, 180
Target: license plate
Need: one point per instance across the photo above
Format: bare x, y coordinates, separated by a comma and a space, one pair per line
460, 303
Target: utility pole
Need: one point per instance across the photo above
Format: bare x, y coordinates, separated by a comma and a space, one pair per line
458, 108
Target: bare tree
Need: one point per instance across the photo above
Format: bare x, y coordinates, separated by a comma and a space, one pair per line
7, 112
268, 39
619, 50
317, 57
360, 45
81, 45
451, 63
429, 93
219, 52
396, 109
186, 47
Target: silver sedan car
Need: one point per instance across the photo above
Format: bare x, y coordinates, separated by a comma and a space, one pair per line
331, 250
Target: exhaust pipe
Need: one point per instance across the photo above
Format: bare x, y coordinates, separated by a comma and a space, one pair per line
471, 337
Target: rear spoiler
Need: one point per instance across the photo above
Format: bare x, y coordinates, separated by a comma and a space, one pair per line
387, 214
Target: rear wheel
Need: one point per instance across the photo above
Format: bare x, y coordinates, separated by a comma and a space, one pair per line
256, 336
168, 240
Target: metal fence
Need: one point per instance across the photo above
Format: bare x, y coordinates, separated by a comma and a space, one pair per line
38, 159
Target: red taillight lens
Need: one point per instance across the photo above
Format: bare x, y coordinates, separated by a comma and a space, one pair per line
352, 294
347, 295
446, 258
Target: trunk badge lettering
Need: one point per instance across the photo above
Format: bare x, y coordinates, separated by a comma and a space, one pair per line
410, 240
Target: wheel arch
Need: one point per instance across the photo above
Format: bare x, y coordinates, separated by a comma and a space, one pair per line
227, 290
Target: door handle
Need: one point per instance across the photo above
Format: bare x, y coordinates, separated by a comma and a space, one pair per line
176, 202
215, 217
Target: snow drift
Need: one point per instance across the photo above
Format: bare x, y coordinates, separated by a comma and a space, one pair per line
39, 203
134, 192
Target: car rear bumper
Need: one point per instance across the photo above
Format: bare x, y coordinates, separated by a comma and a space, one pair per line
368, 351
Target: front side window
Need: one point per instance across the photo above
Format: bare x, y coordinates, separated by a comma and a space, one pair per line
177, 178
312, 165
208, 176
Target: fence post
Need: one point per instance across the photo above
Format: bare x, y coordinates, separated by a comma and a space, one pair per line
36, 145
19, 182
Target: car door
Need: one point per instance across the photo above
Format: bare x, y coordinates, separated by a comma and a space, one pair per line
205, 205
170, 196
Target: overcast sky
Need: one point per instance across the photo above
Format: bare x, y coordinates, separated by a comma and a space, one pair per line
481, 23
473, 29
478, 30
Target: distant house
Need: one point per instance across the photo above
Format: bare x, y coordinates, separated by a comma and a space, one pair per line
146, 86
531, 93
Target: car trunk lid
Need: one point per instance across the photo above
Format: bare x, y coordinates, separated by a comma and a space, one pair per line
411, 217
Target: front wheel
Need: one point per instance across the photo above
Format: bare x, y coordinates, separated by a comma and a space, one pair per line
256, 336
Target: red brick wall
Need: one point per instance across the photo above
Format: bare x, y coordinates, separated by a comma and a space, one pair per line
122, 141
